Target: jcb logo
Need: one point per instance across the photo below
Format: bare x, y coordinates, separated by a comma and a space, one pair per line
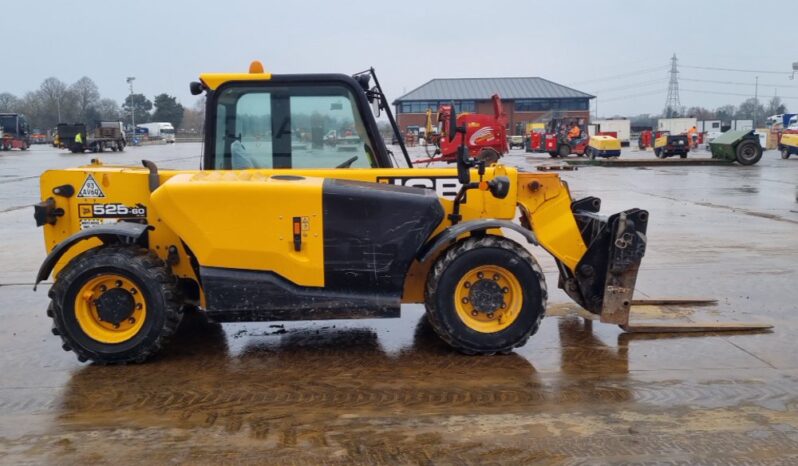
443, 186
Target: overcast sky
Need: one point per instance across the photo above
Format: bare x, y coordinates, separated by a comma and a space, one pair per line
618, 51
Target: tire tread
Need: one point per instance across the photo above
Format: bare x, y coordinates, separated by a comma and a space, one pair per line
444, 331
155, 269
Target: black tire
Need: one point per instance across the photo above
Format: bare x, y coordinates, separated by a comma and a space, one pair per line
683, 155
748, 152
553, 155
564, 150
454, 264
158, 287
658, 153
591, 153
785, 153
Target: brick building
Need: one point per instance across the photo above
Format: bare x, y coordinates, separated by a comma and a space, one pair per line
525, 100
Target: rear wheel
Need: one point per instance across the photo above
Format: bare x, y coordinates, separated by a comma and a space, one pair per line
748, 153
683, 155
485, 295
658, 153
785, 153
553, 154
115, 304
564, 150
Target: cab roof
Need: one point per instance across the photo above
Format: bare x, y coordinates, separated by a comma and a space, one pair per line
256, 73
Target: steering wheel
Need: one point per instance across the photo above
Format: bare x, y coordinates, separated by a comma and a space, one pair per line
348, 162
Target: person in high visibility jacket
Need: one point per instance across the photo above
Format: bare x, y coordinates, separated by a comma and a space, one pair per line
692, 137
574, 132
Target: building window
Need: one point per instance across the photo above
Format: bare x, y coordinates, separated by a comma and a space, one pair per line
421, 106
544, 105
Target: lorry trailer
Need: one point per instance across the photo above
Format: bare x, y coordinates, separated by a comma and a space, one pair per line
159, 131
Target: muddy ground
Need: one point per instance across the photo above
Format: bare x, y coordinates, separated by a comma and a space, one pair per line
388, 391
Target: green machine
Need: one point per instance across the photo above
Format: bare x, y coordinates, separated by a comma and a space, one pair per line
742, 147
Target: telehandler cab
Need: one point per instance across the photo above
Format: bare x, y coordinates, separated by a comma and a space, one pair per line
277, 225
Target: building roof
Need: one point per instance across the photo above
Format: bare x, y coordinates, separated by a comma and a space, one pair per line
484, 88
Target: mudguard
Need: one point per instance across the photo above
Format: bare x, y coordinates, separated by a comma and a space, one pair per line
450, 234
122, 232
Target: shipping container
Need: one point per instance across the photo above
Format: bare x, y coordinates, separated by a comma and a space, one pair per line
742, 125
622, 127
709, 126
676, 125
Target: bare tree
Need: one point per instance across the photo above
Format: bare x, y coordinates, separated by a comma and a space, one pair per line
725, 113
775, 107
701, 113
194, 117
53, 92
86, 96
108, 110
31, 105
8, 102
750, 109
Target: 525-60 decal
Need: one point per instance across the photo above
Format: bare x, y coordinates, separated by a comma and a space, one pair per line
112, 210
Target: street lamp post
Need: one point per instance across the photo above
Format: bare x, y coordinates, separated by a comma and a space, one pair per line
756, 98
130, 80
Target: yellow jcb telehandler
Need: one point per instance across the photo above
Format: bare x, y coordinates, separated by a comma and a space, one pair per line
279, 225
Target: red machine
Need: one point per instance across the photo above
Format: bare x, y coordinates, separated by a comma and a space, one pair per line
647, 138
15, 131
486, 137
558, 144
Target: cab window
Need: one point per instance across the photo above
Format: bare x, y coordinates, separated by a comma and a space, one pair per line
308, 126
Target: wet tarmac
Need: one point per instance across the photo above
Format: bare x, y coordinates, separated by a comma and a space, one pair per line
389, 391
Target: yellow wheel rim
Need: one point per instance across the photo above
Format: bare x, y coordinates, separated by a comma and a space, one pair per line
488, 298
128, 308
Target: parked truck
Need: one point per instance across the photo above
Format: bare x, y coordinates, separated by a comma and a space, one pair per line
106, 135
15, 132
159, 131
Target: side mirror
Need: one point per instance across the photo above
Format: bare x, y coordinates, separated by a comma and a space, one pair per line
452, 125
195, 87
375, 106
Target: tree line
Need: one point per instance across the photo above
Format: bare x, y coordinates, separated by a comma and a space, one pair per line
750, 109
80, 102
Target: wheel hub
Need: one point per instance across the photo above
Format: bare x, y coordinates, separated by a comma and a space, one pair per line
115, 305
486, 296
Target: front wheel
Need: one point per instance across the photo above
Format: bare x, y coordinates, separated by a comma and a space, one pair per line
485, 295
115, 304
564, 150
785, 153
